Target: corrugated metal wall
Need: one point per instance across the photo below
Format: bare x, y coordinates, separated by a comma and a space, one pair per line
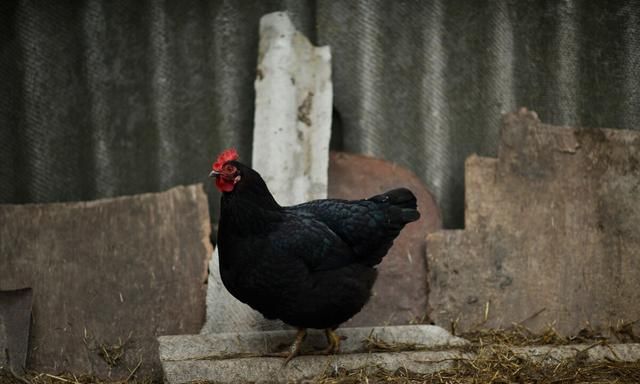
103, 99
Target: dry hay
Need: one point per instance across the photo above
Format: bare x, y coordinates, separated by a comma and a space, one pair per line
498, 365
519, 335
493, 361
7, 377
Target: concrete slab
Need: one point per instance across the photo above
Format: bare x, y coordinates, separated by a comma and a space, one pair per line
304, 368
223, 345
238, 357
552, 233
294, 101
108, 277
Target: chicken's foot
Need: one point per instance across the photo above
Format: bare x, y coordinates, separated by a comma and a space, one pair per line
334, 342
294, 350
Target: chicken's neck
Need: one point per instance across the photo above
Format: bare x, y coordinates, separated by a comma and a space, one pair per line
249, 208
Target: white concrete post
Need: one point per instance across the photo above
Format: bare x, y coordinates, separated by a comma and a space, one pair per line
293, 112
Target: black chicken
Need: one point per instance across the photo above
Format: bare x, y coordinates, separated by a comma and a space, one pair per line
310, 265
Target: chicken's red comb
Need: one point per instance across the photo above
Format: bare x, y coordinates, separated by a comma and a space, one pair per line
226, 155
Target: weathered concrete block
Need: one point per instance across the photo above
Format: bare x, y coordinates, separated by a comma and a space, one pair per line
305, 369
294, 97
108, 277
231, 344
238, 357
552, 232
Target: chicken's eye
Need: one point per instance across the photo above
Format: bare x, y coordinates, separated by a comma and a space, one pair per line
228, 168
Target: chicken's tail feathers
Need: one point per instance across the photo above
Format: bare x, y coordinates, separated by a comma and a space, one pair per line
404, 205
391, 211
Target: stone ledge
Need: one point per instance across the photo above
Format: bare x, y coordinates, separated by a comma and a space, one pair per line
236, 357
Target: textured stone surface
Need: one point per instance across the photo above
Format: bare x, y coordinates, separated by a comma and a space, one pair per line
236, 357
15, 321
239, 357
106, 273
304, 369
229, 345
552, 233
401, 291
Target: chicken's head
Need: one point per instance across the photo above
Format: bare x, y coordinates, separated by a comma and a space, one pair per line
225, 171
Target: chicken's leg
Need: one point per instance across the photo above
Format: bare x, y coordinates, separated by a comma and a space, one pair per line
294, 350
334, 341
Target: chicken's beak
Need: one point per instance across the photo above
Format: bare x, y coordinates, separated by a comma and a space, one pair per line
214, 173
